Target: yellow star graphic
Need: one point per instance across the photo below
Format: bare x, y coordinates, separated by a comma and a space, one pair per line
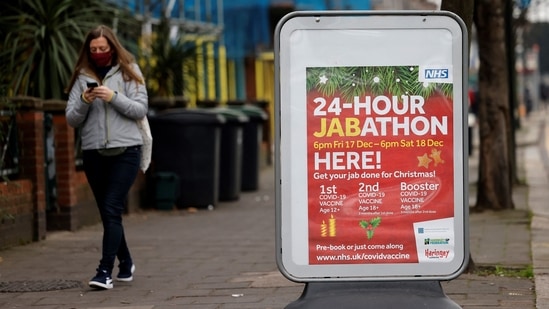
435, 154
424, 160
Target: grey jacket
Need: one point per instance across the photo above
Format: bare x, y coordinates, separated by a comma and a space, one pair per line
108, 125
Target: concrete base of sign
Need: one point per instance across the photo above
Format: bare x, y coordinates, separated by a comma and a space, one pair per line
379, 294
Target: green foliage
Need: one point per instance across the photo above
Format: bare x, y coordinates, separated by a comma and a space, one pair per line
377, 80
498, 270
40, 40
4, 216
161, 59
370, 226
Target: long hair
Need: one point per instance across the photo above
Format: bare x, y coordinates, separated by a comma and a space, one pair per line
120, 56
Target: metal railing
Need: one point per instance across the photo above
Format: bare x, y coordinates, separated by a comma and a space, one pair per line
9, 149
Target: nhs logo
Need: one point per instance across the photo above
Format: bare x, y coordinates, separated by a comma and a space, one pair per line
435, 74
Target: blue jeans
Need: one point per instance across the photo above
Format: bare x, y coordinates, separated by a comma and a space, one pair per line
110, 178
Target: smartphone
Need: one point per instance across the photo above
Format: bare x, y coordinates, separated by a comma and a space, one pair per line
92, 85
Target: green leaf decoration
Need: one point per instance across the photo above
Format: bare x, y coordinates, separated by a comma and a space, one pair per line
370, 226
375, 221
376, 80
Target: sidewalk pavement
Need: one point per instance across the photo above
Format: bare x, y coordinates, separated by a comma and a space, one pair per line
225, 258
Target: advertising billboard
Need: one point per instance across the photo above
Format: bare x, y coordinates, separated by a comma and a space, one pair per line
371, 145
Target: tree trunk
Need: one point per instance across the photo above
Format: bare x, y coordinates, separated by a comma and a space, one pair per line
495, 183
464, 9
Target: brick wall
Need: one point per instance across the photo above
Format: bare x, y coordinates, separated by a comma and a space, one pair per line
16, 213
23, 214
30, 124
75, 205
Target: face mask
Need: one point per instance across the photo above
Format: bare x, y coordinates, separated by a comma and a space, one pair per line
101, 59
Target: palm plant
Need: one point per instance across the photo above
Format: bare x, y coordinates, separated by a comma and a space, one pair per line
162, 60
40, 40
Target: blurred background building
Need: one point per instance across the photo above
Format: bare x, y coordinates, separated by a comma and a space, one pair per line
234, 39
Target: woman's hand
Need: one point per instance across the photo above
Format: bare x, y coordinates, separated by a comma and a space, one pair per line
88, 95
102, 92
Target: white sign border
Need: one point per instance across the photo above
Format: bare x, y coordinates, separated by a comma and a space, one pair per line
286, 191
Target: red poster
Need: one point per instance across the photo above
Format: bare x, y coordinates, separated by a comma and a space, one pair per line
380, 166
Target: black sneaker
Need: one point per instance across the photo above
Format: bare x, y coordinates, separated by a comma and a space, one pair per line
126, 272
102, 280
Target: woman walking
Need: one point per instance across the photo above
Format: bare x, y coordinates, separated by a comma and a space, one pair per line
107, 95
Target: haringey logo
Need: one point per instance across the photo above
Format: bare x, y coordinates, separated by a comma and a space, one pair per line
437, 254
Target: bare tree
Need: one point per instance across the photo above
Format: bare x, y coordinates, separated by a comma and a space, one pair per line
495, 125
494, 188
462, 8
495, 181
